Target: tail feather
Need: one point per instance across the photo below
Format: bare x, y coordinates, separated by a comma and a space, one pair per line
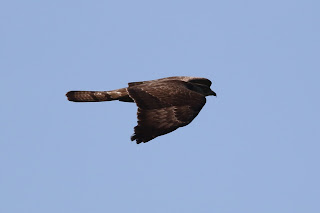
89, 96
95, 96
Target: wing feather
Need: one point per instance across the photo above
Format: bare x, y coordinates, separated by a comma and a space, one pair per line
163, 107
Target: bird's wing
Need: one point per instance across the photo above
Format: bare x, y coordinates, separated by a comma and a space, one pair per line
163, 107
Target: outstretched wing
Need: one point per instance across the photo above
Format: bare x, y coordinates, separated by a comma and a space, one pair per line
163, 107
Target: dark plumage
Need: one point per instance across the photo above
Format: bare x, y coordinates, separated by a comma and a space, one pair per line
163, 104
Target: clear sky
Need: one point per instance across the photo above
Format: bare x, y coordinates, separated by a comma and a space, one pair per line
253, 149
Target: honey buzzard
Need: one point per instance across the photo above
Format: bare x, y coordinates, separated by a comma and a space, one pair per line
163, 105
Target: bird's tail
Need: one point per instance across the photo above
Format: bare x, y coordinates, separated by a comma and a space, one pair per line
95, 96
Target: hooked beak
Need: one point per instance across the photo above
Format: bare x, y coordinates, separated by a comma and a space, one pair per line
212, 93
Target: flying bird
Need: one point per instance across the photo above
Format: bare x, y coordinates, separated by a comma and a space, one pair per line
163, 105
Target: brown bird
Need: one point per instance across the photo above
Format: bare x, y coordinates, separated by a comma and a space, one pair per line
163, 105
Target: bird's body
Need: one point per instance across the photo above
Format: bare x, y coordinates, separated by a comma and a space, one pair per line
163, 104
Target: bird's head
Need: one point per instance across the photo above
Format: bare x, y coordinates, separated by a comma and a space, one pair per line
202, 85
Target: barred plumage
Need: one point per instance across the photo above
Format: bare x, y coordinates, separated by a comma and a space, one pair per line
163, 104
96, 96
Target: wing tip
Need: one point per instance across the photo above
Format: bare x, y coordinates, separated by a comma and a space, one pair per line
137, 139
140, 138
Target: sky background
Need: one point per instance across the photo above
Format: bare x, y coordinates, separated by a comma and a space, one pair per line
254, 148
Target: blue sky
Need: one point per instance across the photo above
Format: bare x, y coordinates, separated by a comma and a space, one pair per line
254, 148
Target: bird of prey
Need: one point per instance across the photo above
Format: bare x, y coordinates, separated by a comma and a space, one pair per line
163, 105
